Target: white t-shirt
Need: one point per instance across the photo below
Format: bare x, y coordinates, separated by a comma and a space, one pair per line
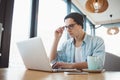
78, 54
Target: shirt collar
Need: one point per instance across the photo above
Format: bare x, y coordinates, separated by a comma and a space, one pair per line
84, 40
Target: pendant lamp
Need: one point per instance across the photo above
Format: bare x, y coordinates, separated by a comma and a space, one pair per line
113, 30
96, 6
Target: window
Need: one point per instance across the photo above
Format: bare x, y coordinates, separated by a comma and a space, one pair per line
20, 28
111, 41
51, 16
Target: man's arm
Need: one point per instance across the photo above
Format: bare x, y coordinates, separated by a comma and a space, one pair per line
58, 34
81, 65
99, 51
53, 53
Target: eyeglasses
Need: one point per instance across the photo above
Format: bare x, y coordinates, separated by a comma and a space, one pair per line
70, 26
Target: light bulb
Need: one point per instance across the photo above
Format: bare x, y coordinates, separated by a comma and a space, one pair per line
96, 6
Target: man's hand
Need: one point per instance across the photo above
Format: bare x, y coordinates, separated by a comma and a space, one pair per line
58, 32
63, 65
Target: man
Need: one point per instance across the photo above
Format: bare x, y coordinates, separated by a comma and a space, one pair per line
73, 52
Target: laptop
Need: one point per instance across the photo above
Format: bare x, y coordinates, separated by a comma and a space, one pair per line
34, 55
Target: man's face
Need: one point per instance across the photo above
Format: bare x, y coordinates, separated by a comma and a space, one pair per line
72, 27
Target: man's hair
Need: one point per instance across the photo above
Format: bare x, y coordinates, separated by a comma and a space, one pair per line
78, 18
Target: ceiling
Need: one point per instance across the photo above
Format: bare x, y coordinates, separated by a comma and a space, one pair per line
104, 17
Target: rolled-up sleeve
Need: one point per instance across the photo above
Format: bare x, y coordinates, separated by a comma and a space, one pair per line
61, 55
65, 52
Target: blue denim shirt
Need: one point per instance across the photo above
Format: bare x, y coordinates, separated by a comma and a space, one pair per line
91, 46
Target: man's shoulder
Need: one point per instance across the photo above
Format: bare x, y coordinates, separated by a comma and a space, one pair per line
94, 37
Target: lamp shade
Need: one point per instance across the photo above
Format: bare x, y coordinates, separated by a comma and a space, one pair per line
96, 6
113, 31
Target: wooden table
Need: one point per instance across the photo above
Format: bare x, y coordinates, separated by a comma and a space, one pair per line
23, 74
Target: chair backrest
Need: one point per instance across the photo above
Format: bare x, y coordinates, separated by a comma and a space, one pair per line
112, 62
